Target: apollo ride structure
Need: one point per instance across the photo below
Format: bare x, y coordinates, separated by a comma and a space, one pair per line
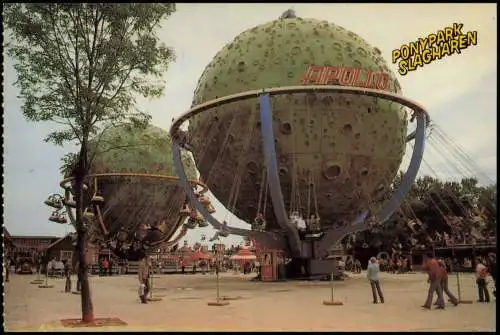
310, 117
134, 203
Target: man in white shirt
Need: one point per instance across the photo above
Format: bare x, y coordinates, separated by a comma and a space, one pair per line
372, 272
481, 276
301, 224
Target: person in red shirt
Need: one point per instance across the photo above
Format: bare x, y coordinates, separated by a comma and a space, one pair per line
105, 266
435, 276
444, 284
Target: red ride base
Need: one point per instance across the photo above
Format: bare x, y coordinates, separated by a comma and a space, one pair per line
333, 303
218, 303
154, 299
99, 322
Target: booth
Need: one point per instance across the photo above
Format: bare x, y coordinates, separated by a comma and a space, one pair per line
271, 265
244, 255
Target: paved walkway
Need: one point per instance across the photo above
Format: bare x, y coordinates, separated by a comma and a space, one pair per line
263, 306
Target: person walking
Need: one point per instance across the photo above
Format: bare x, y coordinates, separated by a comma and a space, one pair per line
492, 269
434, 279
7, 268
105, 267
67, 275
183, 266
143, 275
357, 266
111, 263
444, 284
372, 272
481, 276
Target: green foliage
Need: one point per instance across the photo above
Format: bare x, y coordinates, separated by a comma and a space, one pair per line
68, 164
430, 198
82, 65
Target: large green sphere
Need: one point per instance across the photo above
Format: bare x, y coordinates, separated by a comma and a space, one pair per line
335, 151
132, 201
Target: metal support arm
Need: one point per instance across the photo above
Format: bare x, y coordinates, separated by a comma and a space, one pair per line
270, 239
266, 119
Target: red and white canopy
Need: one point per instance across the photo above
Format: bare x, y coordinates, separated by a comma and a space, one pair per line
199, 255
244, 254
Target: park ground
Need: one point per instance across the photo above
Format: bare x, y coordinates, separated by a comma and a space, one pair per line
258, 306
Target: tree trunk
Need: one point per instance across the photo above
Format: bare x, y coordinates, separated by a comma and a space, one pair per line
81, 246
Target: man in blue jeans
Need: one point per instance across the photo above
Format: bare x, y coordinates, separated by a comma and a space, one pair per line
372, 274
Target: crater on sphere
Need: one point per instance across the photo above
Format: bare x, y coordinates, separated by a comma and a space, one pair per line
347, 128
252, 167
332, 171
286, 128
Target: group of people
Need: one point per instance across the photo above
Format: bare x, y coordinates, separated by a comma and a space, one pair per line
259, 223
471, 230
296, 219
438, 281
304, 226
397, 264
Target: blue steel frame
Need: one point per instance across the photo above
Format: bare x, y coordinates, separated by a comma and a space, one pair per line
332, 235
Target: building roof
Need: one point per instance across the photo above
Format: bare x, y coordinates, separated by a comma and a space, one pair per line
35, 237
6, 234
58, 241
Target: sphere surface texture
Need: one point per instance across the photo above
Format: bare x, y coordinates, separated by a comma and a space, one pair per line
131, 202
337, 153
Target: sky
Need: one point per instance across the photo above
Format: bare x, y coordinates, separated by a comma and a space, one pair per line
459, 91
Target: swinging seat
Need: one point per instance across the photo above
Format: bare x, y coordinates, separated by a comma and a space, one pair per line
204, 200
97, 199
210, 208
61, 219
87, 214
202, 224
313, 236
162, 227
122, 236
415, 226
185, 210
191, 223
53, 202
54, 217
199, 217
223, 233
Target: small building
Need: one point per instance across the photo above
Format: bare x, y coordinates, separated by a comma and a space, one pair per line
61, 249
9, 245
28, 248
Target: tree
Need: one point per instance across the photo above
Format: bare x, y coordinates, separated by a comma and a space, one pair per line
81, 66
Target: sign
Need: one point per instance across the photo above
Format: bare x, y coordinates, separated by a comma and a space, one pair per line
423, 51
346, 76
